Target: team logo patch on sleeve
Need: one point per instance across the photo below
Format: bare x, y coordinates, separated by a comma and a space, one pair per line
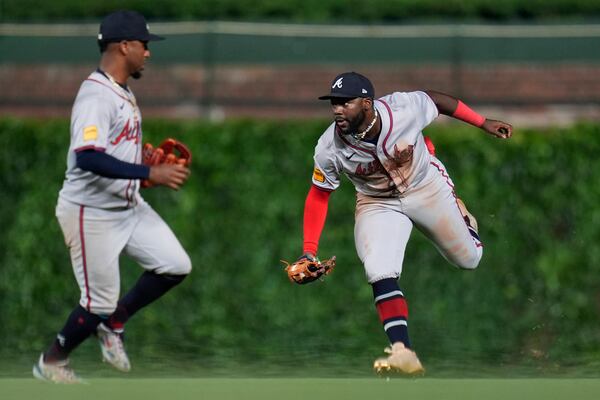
318, 175
90, 133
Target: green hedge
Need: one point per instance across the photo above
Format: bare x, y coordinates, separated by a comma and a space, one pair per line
534, 298
305, 10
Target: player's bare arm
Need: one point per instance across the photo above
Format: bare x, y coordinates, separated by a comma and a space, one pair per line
170, 175
455, 108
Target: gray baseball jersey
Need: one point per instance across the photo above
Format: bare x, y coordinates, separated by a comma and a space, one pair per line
106, 118
397, 162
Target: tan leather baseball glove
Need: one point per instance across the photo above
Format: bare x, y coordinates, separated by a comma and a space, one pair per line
308, 268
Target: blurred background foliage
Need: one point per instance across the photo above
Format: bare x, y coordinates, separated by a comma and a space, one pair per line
336, 11
534, 300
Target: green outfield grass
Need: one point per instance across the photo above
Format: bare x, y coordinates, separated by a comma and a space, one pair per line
313, 389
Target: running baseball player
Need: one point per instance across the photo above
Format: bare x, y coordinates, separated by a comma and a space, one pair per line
100, 210
378, 144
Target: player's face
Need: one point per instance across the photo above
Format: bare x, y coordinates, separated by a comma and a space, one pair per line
349, 114
136, 56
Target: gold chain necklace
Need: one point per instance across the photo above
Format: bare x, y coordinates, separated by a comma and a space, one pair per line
128, 95
361, 135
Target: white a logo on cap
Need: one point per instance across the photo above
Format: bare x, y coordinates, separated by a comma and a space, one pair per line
364, 91
338, 83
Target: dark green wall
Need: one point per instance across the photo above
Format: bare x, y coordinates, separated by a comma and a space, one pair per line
221, 48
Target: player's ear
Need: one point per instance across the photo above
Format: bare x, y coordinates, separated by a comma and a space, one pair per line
123, 47
367, 103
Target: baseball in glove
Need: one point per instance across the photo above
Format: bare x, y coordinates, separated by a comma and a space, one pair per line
164, 154
308, 268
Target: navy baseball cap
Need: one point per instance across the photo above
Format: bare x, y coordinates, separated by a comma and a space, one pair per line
125, 25
350, 85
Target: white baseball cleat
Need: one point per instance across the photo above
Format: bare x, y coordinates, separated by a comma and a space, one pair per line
400, 359
58, 372
469, 218
113, 350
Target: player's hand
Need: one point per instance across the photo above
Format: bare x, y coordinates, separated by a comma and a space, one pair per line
499, 129
170, 175
308, 256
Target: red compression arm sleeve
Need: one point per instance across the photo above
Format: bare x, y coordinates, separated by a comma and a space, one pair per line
465, 113
315, 212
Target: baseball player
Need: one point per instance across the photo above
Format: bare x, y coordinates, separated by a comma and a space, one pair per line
100, 210
378, 144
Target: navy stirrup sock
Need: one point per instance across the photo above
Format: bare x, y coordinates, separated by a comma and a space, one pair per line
392, 309
79, 326
149, 287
